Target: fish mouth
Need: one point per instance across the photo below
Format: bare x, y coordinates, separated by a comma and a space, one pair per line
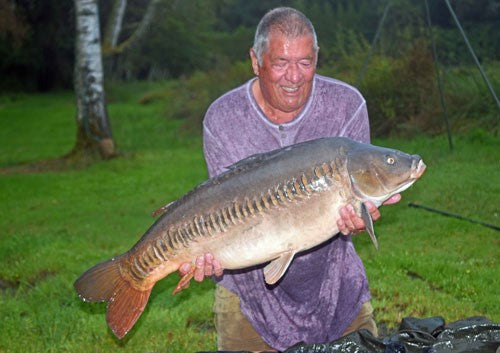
415, 174
419, 170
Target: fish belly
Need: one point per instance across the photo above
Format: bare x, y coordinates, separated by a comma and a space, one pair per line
262, 238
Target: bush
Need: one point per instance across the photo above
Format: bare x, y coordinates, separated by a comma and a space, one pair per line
403, 96
189, 98
402, 93
469, 102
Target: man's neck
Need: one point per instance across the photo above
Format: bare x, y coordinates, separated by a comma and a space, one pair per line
272, 114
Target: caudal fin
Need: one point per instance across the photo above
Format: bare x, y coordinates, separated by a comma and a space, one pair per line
104, 282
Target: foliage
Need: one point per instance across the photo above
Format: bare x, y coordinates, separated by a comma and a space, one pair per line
403, 95
56, 224
176, 43
37, 38
205, 44
189, 98
41, 56
470, 103
452, 50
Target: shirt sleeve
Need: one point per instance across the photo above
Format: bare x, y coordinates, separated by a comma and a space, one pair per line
358, 126
216, 156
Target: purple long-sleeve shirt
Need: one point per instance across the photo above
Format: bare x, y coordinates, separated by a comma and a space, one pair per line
324, 288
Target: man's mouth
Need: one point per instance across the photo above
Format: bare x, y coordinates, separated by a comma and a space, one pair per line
290, 89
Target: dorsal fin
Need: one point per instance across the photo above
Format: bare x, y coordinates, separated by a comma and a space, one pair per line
163, 209
256, 159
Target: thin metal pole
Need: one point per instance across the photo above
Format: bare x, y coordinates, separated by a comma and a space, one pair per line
454, 215
483, 74
438, 76
372, 47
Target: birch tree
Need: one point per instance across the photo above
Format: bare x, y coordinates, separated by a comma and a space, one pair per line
93, 127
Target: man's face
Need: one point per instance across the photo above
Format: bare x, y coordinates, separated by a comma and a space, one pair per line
287, 71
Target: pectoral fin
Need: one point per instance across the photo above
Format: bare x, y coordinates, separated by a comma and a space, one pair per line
369, 224
276, 268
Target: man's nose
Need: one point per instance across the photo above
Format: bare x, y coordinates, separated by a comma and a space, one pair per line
293, 73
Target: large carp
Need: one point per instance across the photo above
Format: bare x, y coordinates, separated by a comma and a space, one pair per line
267, 207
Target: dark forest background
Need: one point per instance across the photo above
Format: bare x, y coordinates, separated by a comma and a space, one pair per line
202, 43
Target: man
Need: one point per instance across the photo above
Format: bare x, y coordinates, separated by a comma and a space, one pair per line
324, 293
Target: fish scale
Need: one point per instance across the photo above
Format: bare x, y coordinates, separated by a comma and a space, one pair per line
233, 214
264, 209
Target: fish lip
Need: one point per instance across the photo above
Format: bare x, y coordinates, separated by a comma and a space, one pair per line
418, 170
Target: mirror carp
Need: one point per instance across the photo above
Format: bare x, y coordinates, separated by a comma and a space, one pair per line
263, 209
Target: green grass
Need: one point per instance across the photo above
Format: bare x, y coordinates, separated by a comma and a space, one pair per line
55, 225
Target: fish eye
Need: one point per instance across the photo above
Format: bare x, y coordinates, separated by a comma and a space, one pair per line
390, 160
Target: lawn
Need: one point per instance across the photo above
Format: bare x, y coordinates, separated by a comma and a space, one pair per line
56, 224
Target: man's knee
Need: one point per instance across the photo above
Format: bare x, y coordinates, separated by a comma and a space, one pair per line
364, 320
234, 331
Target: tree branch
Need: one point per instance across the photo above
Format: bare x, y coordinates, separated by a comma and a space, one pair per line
114, 25
138, 33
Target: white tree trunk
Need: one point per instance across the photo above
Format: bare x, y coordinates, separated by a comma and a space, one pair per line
94, 129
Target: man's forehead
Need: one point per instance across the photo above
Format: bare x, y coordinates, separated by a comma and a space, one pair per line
281, 45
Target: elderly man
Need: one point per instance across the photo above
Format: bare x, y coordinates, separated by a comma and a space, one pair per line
324, 294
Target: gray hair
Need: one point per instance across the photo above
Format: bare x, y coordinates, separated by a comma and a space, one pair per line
290, 22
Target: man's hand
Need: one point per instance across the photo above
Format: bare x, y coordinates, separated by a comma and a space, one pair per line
350, 223
204, 266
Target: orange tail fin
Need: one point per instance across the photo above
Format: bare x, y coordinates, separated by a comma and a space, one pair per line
104, 282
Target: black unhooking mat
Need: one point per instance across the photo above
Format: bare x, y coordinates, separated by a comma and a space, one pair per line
431, 335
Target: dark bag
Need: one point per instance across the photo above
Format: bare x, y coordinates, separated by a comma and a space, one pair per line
431, 335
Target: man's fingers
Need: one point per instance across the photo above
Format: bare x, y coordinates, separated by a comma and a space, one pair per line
374, 212
209, 269
343, 222
217, 268
393, 199
184, 268
199, 272
342, 228
349, 222
204, 266
356, 222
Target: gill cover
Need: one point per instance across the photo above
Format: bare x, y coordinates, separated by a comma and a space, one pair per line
377, 173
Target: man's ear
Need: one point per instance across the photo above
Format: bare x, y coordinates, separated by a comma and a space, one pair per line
255, 62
